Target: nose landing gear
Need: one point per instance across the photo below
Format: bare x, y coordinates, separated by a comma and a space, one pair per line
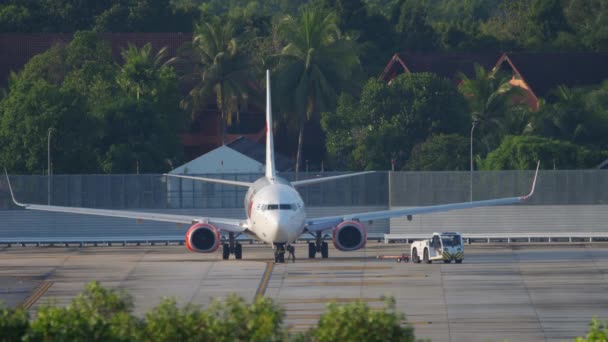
279, 252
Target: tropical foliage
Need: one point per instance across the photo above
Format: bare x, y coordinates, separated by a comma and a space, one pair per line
100, 314
315, 64
219, 71
115, 111
385, 124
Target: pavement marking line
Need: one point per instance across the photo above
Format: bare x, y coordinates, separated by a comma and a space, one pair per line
330, 299
357, 276
265, 279
342, 268
39, 292
342, 283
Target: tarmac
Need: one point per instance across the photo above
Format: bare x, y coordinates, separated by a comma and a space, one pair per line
500, 292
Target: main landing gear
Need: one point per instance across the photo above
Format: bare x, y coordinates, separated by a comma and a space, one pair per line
232, 247
279, 252
319, 246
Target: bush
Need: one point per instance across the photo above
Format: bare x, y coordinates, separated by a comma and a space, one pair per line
100, 314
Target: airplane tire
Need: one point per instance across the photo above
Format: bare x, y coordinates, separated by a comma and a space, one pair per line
446, 261
312, 250
426, 256
225, 251
324, 250
459, 261
238, 251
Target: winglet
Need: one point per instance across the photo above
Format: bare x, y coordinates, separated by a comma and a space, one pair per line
10, 188
533, 182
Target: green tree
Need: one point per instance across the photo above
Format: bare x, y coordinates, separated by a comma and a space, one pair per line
389, 120
492, 100
14, 323
145, 16
589, 20
167, 322
14, 18
597, 332
522, 152
316, 63
220, 70
357, 321
97, 314
578, 115
442, 152
413, 29
529, 24
373, 32
92, 105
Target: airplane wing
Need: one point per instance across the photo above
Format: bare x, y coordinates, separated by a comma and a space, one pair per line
326, 179
323, 223
225, 224
212, 180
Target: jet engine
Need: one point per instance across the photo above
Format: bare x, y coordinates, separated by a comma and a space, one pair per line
203, 238
349, 236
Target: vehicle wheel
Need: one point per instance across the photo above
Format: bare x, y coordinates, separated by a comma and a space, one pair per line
225, 251
459, 261
238, 251
446, 261
398, 259
312, 250
415, 257
426, 256
324, 250
281, 258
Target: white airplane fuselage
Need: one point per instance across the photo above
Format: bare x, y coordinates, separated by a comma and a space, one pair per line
275, 210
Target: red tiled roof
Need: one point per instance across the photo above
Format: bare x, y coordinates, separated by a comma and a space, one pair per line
444, 64
543, 72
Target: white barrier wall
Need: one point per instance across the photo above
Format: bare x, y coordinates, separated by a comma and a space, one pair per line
509, 219
39, 224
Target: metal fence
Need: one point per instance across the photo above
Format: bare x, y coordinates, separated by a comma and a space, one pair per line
150, 191
553, 187
377, 189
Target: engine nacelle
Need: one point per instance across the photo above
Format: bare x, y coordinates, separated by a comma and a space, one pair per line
350, 236
203, 238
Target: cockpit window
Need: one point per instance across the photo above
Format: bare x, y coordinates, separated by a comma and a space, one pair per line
278, 207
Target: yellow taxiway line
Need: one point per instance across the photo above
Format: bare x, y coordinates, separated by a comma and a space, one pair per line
39, 292
265, 280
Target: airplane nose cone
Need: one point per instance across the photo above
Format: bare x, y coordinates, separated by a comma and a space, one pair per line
278, 228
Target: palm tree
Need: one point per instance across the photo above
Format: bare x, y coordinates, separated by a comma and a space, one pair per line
315, 64
220, 69
491, 100
139, 73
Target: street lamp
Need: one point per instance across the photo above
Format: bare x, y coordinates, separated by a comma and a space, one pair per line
49, 188
471, 160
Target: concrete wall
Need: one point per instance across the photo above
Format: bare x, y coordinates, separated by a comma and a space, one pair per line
509, 219
38, 224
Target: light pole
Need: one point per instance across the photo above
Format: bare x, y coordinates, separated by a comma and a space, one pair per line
471, 160
49, 188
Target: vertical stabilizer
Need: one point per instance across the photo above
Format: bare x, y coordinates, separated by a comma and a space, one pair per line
270, 171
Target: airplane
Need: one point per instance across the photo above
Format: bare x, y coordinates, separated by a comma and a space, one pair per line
275, 212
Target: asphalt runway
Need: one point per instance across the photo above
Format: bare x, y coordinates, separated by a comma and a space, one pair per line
518, 293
